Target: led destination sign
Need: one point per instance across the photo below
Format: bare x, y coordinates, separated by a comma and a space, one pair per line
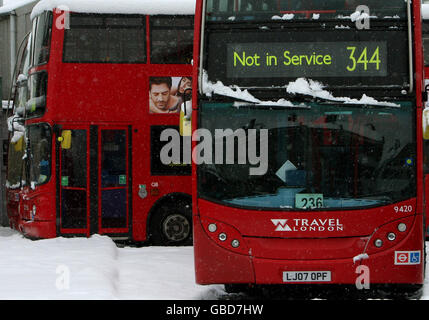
343, 59
307, 59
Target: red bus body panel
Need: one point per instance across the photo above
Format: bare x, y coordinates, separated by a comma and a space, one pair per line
106, 95
264, 253
262, 259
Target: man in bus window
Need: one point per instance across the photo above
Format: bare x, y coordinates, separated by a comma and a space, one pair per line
161, 99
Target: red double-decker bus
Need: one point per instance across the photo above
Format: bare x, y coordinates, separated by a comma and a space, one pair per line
97, 88
327, 97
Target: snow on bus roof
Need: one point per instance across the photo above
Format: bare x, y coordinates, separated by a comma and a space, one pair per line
10, 6
152, 7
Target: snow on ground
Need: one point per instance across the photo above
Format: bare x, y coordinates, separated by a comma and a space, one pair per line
95, 268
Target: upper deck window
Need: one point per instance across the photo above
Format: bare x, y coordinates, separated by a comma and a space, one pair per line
42, 26
301, 9
97, 38
171, 39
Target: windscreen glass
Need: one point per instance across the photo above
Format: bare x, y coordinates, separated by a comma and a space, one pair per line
310, 156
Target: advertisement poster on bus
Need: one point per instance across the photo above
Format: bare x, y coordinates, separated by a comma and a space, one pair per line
166, 94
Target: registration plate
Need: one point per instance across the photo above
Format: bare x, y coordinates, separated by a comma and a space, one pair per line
306, 276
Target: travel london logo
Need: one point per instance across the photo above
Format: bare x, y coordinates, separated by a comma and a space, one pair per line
307, 225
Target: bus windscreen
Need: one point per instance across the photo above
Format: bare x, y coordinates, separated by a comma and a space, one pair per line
340, 156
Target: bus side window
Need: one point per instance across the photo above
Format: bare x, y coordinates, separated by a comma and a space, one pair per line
171, 39
42, 36
37, 89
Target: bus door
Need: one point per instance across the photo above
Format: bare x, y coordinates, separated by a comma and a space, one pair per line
94, 180
73, 181
114, 186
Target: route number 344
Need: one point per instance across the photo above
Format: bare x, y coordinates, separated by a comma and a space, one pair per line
363, 58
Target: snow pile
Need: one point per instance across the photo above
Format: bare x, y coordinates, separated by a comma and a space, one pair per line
315, 89
94, 268
286, 16
14, 125
358, 16
181, 7
360, 257
56, 269
210, 88
300, 86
